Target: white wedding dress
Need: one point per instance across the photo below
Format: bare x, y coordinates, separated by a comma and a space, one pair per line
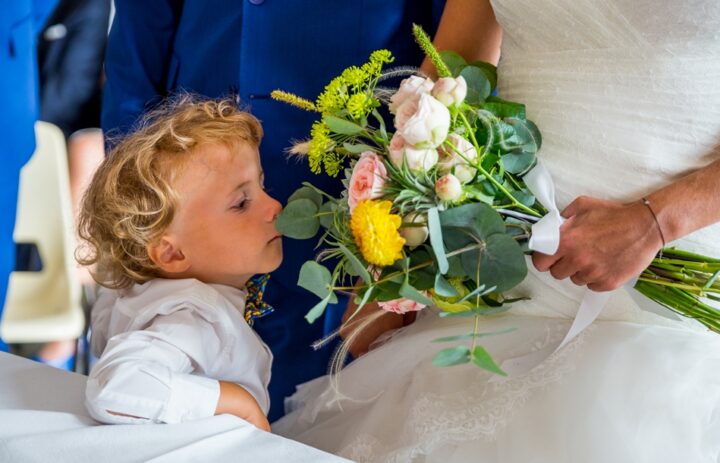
627, 96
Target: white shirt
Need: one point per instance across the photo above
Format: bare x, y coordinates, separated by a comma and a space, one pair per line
165, 345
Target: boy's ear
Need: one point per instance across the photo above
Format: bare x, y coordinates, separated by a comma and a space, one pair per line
167, 256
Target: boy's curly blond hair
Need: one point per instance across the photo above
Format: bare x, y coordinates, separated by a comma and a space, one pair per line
131, 200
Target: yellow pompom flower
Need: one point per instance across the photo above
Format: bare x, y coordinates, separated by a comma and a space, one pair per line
375, 231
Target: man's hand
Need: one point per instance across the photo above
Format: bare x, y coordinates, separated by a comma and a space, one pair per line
603, 244
236, 400
385, 322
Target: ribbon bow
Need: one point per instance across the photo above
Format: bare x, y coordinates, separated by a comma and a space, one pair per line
255, 307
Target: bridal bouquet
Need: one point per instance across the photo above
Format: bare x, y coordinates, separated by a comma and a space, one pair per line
435, 210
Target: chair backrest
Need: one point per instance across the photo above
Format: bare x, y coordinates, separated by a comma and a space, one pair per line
46, 305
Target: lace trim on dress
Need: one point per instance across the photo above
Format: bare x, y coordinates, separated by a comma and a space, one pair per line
479, 412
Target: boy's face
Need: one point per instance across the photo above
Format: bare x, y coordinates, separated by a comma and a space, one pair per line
225, 221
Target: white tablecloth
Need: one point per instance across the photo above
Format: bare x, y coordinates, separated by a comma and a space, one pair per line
42, 418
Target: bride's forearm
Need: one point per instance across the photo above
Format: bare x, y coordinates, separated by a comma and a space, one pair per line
691, 203
469, 28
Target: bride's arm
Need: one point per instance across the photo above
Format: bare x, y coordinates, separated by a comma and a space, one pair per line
606, 243
469, 28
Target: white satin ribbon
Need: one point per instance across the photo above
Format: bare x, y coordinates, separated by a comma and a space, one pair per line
546, 239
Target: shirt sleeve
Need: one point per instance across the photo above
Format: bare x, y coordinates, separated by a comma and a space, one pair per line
155, 375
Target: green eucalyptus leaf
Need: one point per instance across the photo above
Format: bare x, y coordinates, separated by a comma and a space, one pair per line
452, 356
477, 292
501, 262
326, 214
518, 163
443, 288
299, 219
306, 192
502, 108
317, 279
342, 126
484, 360
436, 239
535, 132
454, 62
409, 292
525, 197
489, 70
481, 219
527, 133
479, 86
357, 266
317, 310
358, 148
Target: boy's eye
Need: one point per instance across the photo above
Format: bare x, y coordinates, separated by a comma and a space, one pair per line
243, 204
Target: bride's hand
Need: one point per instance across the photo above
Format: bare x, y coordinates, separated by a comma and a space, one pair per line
603, 244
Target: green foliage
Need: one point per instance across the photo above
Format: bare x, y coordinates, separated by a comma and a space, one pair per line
299, 219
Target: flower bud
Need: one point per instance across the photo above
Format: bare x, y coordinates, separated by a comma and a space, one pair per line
455, 154
448, 188
450, 91
414, 235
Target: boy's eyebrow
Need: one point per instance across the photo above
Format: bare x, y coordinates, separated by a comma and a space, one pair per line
242, 184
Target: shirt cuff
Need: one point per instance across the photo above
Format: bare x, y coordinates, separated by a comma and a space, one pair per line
191, 397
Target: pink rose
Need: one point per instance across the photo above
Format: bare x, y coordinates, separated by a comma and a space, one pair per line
367, 180
413, 85
401, 305
423, 121
418, 160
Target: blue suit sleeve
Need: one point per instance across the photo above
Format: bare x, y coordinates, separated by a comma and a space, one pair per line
137, 60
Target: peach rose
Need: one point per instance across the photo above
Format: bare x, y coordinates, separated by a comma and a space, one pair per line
401, 305
367, 179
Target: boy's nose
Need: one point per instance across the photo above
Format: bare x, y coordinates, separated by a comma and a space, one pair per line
274, 209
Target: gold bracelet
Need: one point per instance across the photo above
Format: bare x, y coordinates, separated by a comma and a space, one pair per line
657, 222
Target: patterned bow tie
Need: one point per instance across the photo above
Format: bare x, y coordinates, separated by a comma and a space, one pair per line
255, 307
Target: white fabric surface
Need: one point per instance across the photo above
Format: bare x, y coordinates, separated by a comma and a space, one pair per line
626, 95
43, 419
165, 344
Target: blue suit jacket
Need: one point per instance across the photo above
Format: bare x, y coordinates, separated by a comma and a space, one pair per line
19, 22
250, 48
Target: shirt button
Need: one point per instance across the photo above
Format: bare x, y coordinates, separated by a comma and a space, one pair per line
257, 2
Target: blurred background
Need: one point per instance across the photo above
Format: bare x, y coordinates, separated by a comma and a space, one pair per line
59, 52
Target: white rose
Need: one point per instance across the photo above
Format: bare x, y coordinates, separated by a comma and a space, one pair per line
450, 91
414, 235
451, 162
423, 121
448, 188
413, 85
418, 160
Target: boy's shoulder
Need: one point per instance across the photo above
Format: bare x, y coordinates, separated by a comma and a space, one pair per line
160, 297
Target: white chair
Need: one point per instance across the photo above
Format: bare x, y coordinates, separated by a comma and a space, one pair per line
45, 306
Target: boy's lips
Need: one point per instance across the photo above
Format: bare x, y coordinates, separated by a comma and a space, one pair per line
276, 237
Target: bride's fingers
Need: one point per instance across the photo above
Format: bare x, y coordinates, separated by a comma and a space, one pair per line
543, 262
579, 279
562, 269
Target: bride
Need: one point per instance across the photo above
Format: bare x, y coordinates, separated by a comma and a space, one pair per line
627, 95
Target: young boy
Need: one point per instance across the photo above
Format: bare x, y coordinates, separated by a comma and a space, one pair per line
176, 222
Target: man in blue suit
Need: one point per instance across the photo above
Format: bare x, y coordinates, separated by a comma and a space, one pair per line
250, 48
20, 20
